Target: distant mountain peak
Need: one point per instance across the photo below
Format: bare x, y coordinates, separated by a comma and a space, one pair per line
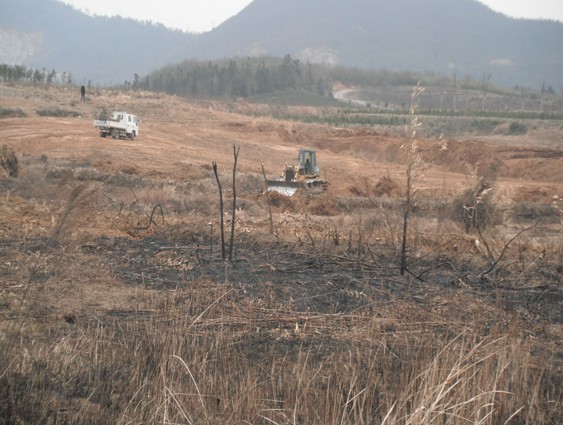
402, 35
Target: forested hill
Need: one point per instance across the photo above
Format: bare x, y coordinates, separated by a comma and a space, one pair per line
235, 78
446, 36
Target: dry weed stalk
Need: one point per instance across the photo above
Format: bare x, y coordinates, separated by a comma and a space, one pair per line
414, 172
80, 197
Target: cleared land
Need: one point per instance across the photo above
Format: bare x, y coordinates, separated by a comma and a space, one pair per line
116, 305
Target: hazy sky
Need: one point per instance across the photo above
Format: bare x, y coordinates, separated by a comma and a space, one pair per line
204, 15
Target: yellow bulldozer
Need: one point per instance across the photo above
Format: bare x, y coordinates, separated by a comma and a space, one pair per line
305, 174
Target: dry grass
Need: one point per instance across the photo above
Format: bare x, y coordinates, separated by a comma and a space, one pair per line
204, 357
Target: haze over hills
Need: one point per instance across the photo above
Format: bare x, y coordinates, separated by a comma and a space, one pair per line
461, 36
52, 35
437, 35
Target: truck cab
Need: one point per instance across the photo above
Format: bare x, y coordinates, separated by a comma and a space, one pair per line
129, 121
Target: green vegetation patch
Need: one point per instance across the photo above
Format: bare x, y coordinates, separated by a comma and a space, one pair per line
517, 128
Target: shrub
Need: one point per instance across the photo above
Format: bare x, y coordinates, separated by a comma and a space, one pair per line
540, 212
12, 113
517, 128
103, 114
471, 213
484, 126
387, 186
9, 161
474, 207
323, 205
281, 201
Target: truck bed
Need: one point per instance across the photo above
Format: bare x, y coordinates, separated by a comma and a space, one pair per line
110, 124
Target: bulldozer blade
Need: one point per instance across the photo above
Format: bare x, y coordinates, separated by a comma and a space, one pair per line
284, 188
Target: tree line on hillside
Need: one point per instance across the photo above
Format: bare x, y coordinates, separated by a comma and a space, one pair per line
252, 77
235, 78
20, 73
248, 77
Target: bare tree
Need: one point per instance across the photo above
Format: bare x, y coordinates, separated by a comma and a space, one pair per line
235, 153
220, 210
268, 201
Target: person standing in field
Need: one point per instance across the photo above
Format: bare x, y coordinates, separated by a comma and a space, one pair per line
83, 94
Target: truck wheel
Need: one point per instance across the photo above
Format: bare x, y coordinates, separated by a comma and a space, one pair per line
133, 135
115, 134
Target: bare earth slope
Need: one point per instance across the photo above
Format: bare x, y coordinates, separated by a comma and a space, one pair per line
177, 134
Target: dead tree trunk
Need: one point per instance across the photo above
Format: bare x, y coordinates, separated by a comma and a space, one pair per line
268, 201
406, 215
220, 210
235, 153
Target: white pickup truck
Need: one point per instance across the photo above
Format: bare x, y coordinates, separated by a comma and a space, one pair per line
121, 124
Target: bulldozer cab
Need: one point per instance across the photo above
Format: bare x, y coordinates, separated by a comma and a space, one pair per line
304, 174
307, 161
